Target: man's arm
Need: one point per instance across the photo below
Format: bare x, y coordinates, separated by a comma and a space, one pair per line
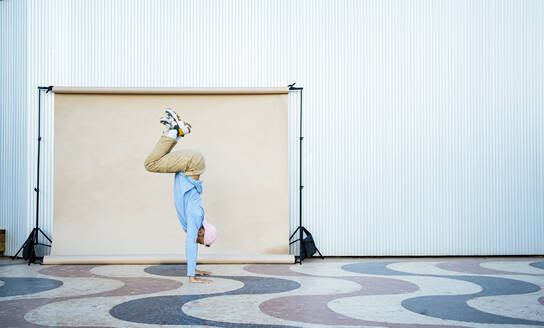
195, 215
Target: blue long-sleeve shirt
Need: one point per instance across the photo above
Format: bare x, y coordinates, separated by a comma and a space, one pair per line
190, 213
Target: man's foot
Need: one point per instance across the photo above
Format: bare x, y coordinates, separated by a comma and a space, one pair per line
202, 273
199, 280
176, 122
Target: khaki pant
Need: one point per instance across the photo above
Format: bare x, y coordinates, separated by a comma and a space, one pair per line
163, 160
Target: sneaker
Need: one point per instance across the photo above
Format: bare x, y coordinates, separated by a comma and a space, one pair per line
176, 123
166, 121
168, 128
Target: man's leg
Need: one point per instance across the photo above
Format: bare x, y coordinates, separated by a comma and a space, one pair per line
162, 160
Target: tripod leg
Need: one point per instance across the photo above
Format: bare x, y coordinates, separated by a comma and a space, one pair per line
27, 240
43, 233
20, 249
294, 241
320, 254
294, 232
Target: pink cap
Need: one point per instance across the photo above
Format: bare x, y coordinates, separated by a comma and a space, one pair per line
210, 233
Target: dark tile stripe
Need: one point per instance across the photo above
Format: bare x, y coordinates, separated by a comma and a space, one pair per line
167, 310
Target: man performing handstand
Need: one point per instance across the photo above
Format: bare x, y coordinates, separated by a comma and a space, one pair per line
188, 165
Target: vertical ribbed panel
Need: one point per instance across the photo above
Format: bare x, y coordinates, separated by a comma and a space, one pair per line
13, 114
422, 119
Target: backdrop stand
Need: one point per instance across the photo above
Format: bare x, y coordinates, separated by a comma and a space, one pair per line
29, 252
306, 246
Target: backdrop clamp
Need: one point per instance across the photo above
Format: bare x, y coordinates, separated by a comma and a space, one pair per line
49, 88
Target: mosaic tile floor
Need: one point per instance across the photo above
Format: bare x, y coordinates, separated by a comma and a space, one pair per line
402, 292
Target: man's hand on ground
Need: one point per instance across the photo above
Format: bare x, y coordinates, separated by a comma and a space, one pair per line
202, 273
199, 280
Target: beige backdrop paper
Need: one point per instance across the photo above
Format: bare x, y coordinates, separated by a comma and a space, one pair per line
109, 209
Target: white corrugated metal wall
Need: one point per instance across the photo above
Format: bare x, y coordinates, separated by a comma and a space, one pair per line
423, 119
14, 187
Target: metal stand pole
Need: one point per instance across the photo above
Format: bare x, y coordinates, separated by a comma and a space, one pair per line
32, 240
300, 228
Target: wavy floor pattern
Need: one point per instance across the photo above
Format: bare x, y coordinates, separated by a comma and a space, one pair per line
397, 292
